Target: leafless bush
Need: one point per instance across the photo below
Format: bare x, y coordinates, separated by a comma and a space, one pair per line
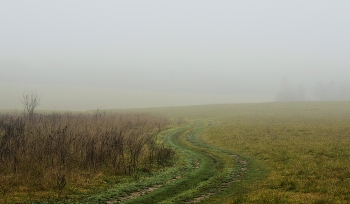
30, 101
50, 151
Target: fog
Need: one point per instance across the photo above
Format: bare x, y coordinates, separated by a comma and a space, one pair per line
81, 55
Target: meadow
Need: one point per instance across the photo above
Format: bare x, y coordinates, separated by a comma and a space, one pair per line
298, 152
234, 153
303, 146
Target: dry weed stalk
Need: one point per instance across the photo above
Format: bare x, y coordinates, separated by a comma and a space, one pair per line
48, 151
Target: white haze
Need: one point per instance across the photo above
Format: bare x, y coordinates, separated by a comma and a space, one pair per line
122, 54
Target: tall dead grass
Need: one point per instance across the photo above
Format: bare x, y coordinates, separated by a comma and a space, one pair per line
52, 151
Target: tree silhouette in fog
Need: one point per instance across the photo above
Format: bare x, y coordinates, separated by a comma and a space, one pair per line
288, 92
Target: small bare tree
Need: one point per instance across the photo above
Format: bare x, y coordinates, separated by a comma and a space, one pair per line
30, 101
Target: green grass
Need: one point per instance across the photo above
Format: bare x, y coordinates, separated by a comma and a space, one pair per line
194, 181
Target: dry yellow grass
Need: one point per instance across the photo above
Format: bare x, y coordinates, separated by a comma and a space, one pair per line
304, 145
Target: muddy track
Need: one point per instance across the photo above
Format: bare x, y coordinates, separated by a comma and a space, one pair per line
209, 171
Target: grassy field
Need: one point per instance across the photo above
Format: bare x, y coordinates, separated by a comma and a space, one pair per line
305, 147
247, 153
297, 152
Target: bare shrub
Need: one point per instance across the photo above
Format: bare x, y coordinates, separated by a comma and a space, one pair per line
51, 151
30, 101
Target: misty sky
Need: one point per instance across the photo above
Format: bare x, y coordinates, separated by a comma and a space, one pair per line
174, 47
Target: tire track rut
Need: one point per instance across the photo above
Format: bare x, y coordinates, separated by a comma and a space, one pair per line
212, 171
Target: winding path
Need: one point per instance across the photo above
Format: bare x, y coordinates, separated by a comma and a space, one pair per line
208, 171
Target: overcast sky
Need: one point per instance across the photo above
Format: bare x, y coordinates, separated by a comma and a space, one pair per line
180, 47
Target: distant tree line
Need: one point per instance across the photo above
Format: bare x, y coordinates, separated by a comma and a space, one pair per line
321, 91
332, 91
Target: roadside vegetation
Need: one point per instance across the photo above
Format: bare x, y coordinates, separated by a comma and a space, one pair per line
45, 156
